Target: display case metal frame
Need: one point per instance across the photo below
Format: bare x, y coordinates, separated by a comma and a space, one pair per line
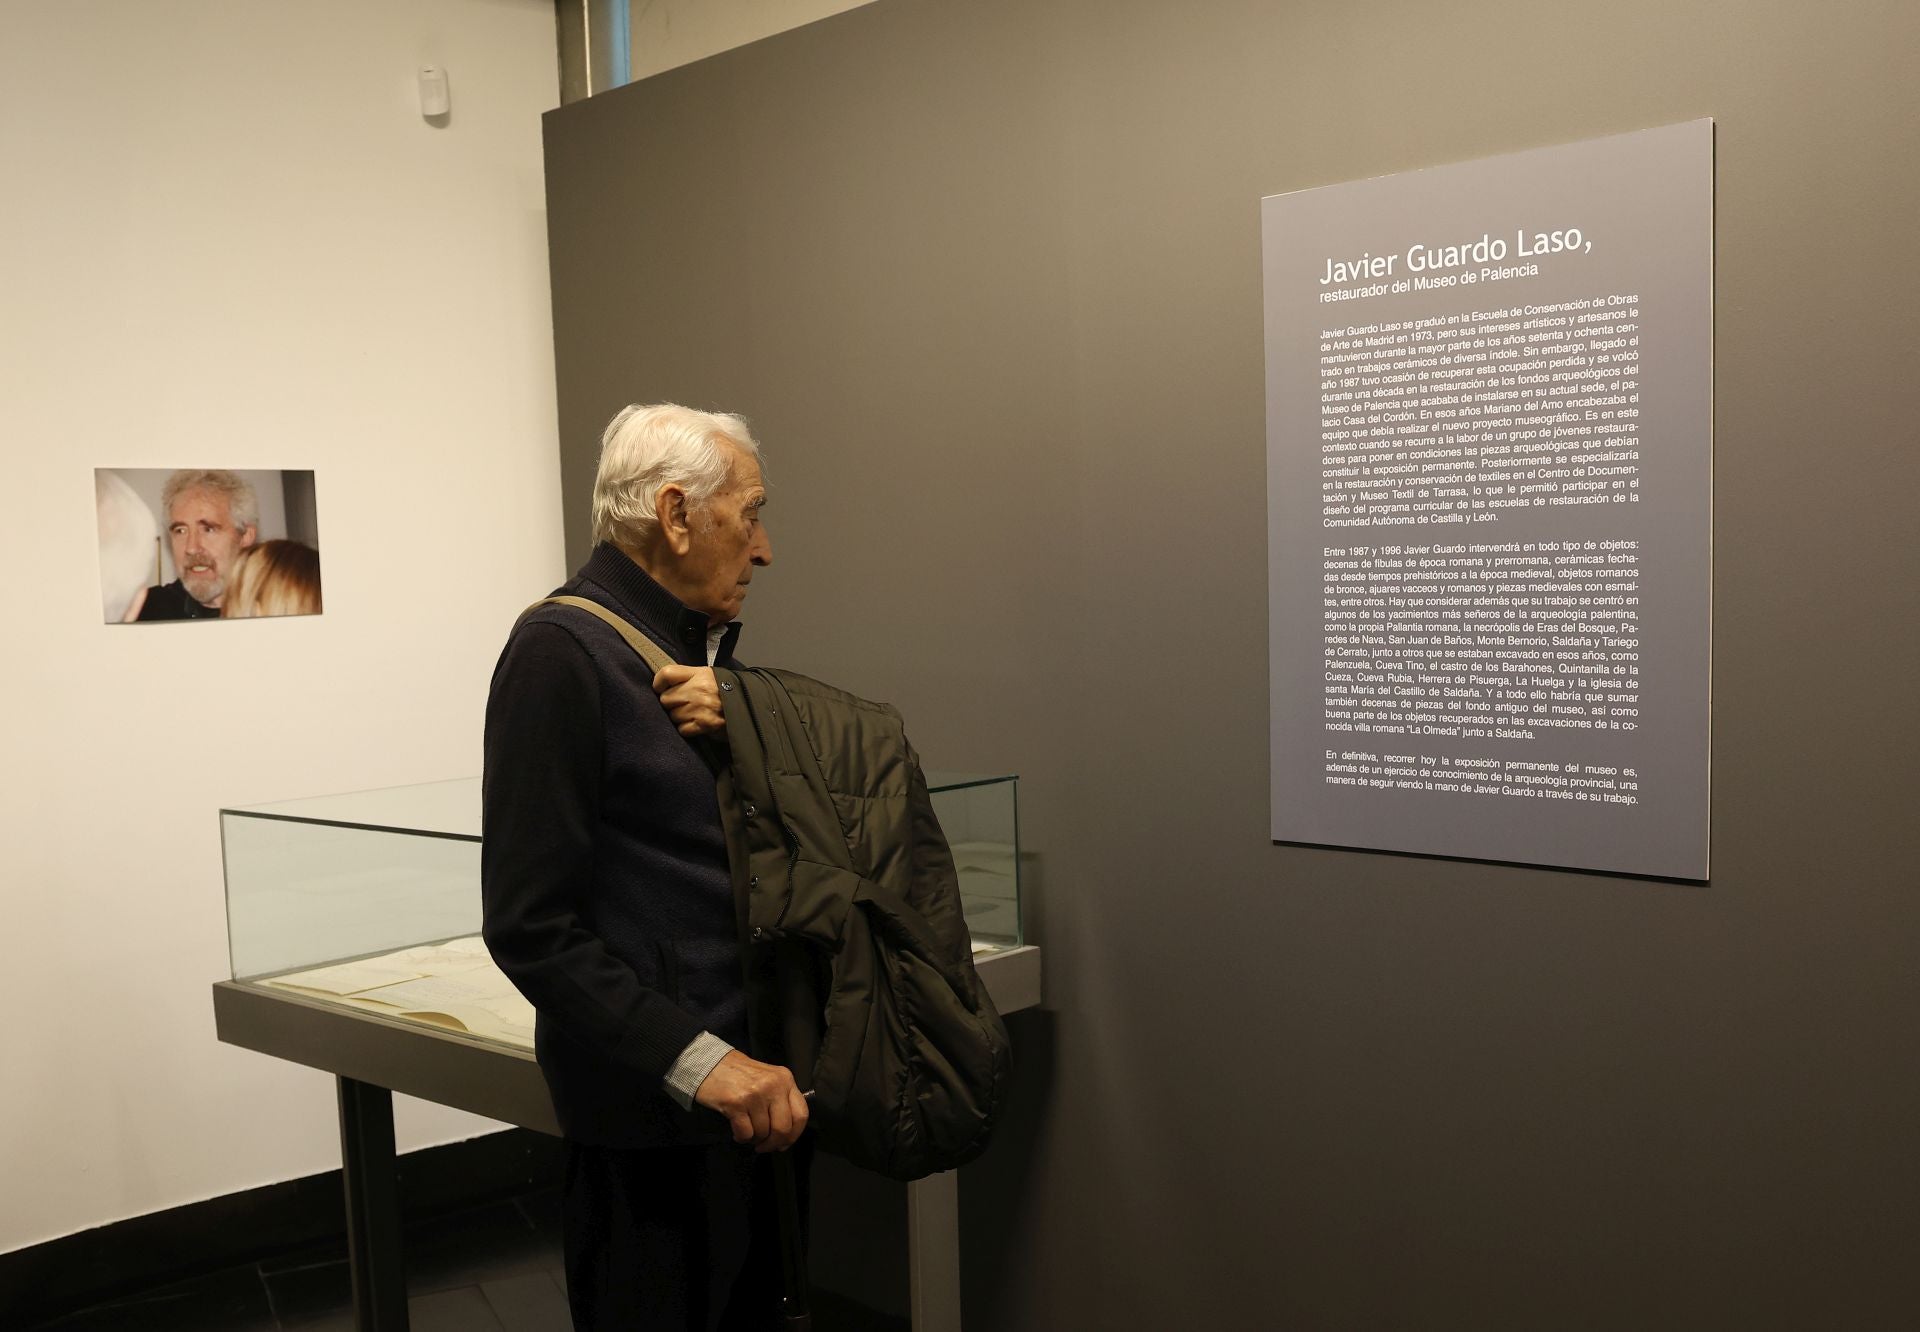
372, 1056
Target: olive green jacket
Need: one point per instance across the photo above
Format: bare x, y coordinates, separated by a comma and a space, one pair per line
859, 965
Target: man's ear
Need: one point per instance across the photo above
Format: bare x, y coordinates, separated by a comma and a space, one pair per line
676, 523
251, 535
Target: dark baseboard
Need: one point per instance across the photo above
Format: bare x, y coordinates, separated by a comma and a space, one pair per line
259, 1224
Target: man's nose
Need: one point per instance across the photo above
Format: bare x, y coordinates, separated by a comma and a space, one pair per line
761, 552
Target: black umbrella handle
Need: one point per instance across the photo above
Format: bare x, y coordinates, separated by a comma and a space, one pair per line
794, 1292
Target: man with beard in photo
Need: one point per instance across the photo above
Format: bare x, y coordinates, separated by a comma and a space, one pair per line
211, 517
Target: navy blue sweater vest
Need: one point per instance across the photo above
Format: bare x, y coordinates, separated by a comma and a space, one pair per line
604, 875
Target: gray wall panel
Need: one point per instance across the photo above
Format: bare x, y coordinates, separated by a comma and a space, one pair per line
987, 279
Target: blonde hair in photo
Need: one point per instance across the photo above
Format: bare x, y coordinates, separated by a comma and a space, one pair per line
274, 578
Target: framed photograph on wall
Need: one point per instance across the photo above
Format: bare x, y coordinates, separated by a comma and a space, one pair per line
198, 543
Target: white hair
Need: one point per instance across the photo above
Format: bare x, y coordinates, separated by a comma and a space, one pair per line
645, 448
128, 552
243, 508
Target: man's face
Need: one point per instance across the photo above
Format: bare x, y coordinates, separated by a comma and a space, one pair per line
205, 543
729, 542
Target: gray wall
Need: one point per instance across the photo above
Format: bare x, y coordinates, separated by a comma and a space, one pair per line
987, 279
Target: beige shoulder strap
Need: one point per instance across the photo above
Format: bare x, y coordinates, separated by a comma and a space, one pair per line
650, 651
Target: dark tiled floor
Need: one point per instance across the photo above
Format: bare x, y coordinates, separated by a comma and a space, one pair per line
495, 1268
487, 1269
231, 1301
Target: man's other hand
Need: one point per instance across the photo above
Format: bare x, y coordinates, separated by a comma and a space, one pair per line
692, 697
760, 1101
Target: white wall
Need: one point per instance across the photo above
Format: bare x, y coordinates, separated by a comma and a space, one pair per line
668, 33
228, 233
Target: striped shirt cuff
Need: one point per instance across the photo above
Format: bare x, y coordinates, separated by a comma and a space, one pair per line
693, 1065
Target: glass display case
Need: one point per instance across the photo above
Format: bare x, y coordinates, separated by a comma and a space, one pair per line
372, 899
981, 818
345, 875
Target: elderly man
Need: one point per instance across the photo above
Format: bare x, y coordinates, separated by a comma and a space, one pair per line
211, 517
608, 897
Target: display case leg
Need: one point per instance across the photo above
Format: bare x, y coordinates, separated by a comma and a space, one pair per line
933, 1252
368, 1169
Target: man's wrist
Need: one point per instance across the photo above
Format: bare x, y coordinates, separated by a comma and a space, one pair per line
691, 1068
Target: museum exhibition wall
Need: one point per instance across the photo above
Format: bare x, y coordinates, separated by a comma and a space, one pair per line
232, 240
666, 34
988, 280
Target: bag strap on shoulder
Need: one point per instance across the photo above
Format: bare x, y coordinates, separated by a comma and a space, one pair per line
650, 651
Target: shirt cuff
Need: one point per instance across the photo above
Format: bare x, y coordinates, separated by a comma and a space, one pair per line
692, 1067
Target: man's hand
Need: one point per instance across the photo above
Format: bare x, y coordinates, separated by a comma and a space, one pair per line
692, 697
759, 1100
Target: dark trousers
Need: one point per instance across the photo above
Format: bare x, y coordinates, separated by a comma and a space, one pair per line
675, 1239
